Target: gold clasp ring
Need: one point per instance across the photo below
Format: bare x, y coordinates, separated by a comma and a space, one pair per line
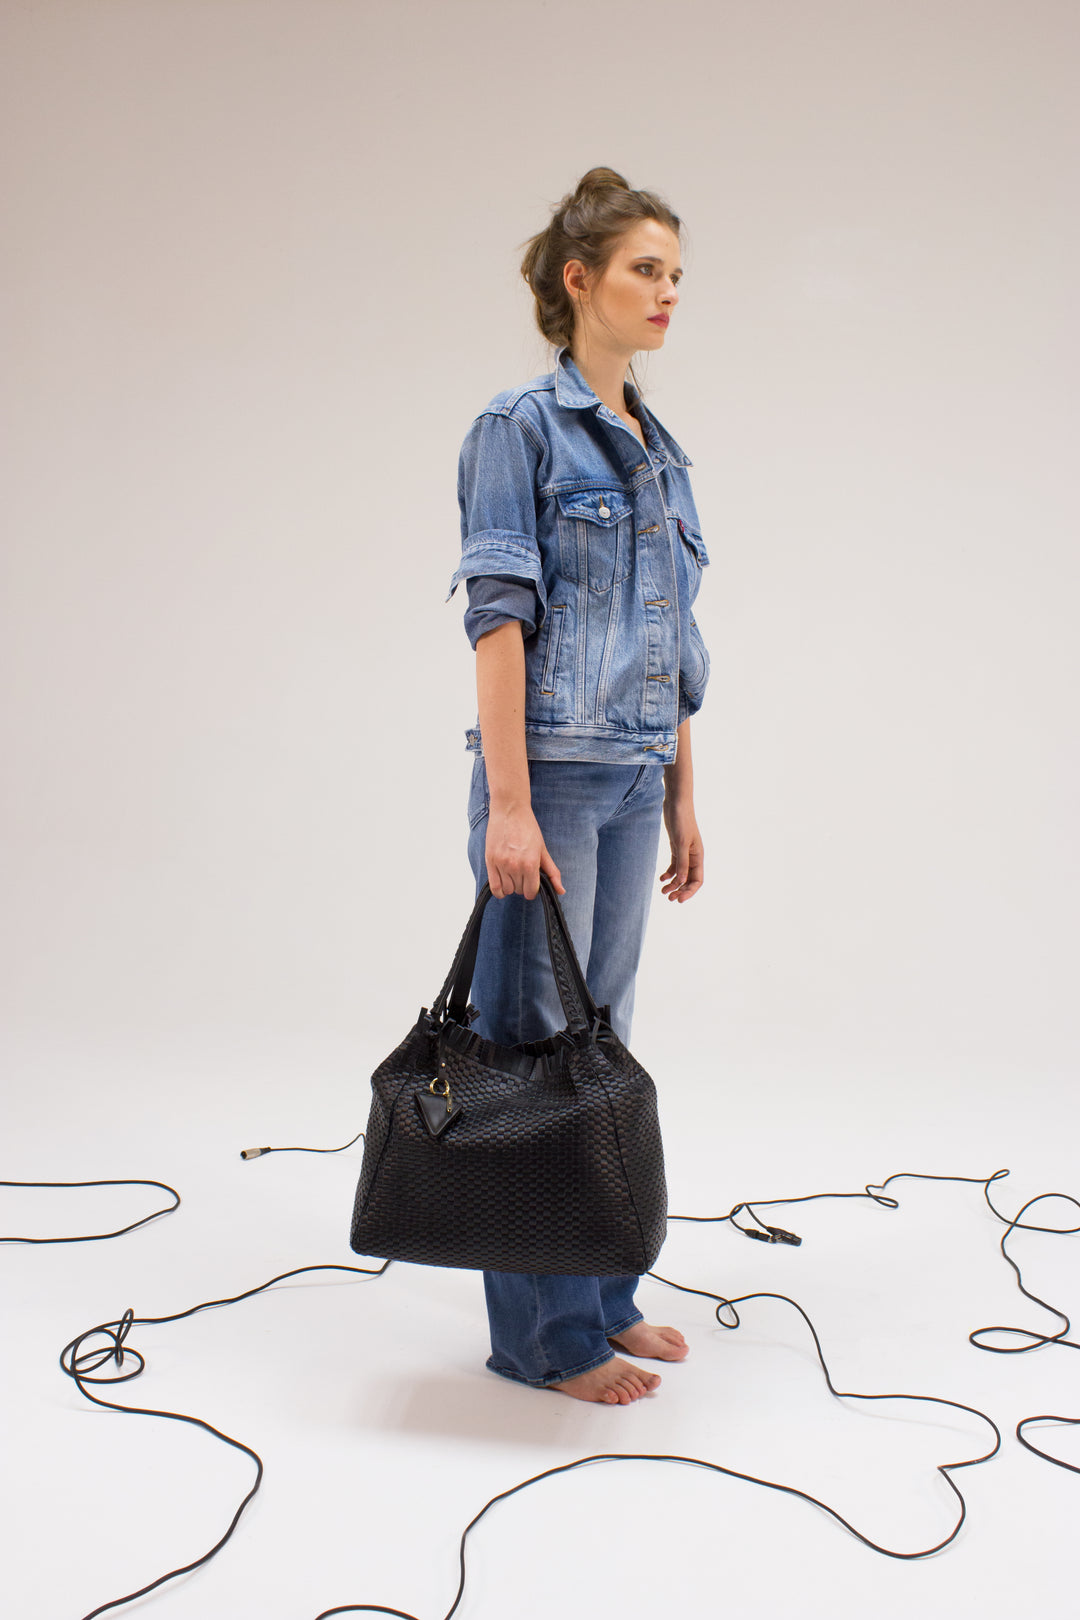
434, 1088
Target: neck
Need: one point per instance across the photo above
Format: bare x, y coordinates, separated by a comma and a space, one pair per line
605, 372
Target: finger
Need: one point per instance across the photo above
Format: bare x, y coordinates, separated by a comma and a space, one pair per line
552, 871
692, 879
506, 882
494, 870
681, 876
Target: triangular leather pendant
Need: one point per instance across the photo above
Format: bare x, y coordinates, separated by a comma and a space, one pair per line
432, 1111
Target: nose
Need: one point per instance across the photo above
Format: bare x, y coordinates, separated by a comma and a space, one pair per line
670, 295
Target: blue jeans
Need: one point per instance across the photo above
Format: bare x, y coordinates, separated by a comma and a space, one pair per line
601, 824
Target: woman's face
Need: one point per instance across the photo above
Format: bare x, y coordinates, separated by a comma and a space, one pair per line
628, 308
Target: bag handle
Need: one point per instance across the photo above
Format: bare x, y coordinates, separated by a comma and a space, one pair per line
574, 993
570, 964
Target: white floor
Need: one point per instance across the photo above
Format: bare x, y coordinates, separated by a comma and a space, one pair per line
383, 1434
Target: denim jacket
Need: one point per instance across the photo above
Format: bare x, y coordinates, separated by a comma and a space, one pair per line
555, 490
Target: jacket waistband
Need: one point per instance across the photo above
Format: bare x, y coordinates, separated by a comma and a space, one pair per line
596, 743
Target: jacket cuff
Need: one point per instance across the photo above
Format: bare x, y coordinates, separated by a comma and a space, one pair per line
497, 551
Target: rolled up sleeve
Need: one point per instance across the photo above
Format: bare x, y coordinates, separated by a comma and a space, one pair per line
497, 498
496, 599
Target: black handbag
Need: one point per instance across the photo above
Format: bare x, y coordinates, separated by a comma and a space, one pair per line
544, 1156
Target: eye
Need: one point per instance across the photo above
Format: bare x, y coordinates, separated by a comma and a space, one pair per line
649, 269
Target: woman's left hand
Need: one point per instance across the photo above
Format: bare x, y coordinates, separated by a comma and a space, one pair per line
686, 873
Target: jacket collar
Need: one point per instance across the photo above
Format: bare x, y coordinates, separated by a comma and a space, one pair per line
571, 389
573, 392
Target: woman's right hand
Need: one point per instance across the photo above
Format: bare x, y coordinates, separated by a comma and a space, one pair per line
515, 853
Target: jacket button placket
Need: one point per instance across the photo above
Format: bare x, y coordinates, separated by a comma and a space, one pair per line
661, 610
656, 564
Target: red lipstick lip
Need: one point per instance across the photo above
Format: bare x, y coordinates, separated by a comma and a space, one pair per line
660, 320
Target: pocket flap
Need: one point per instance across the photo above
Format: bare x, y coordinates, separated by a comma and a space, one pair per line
694, 541
603, 506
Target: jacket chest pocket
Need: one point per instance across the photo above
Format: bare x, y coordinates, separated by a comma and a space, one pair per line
596, 538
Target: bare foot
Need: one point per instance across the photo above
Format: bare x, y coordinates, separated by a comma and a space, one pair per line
613, 1382
665, 1343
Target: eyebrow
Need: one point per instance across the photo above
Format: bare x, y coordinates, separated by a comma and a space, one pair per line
652, 258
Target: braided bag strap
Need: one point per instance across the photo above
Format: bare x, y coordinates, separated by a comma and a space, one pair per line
574, 993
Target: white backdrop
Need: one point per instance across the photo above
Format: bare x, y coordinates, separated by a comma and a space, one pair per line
260, 274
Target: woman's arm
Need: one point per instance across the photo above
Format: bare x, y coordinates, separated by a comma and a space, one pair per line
514, 851
687, 869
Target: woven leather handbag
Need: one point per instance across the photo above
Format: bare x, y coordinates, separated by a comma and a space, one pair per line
545, 1156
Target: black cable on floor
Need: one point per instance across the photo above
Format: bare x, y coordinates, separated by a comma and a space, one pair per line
1035, 1341
732, 1473
1032, 1339
771, 1234
258, 1153
98, 1237
1070, 1422
875, 1191
82, 1364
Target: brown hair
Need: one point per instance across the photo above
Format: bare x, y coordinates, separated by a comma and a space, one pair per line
585, 225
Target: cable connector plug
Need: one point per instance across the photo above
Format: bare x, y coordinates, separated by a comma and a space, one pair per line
771, 1234
780, 1236
254, 1153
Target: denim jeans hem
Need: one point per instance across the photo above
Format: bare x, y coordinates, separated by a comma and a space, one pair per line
552, 1378
621, 1327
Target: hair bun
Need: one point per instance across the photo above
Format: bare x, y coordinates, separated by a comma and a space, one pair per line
599, 180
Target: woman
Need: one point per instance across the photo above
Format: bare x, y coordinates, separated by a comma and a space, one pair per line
582, 555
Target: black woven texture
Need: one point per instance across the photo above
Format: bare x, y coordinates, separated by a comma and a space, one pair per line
556, 1163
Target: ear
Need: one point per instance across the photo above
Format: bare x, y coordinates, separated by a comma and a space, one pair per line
575, 278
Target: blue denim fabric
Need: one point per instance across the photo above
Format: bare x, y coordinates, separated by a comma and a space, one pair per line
495, 599
601, 824
547, 1329
554, 489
